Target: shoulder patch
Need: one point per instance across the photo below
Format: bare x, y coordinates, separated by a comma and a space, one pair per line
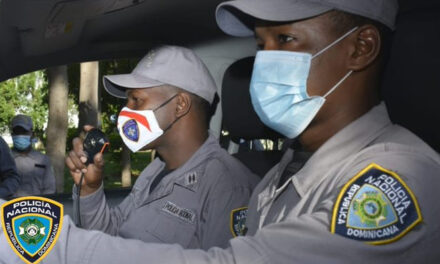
238, 219
31, 226
376, 207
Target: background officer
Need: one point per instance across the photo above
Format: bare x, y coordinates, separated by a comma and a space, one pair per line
34, 167
195, 194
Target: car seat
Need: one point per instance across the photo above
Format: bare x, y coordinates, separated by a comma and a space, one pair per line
411, 84
241, 121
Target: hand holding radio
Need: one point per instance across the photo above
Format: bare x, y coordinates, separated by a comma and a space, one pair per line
86, 159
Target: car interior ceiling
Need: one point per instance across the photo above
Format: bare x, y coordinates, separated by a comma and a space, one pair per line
44, 33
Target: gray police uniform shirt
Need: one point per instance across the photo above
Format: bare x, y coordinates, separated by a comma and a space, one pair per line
301, 233
37, 175
191, 206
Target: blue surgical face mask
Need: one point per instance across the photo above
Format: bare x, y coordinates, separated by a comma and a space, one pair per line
279, 89
21, 142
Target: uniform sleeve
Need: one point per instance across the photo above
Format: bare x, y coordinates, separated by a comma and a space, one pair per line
297, 241
9, 177
49, 186
81, 246
302, 240
96, 213
227, 202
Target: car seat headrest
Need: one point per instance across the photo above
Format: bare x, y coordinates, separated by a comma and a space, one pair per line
239, 117
411, 85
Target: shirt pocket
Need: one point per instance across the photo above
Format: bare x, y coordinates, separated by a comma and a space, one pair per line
38, 177
173, 223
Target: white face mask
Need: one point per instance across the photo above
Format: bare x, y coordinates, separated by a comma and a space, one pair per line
139, 128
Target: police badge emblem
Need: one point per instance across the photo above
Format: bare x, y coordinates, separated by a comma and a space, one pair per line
238, 220
376, 207
32, 225
131, 130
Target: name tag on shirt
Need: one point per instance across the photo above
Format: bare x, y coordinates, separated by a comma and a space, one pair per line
177, 211
40, 166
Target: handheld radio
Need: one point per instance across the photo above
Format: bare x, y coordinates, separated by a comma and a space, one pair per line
95, 142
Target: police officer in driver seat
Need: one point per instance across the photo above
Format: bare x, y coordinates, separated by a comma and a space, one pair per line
195, 193
369, 191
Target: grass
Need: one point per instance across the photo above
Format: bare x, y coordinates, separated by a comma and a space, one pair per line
112, 169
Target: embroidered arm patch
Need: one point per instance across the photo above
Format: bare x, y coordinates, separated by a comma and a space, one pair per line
376, 207
238, 220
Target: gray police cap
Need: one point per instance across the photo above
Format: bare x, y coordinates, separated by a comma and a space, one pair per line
237, 17
170, 65
23, 121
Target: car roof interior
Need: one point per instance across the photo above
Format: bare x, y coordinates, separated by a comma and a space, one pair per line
37, 34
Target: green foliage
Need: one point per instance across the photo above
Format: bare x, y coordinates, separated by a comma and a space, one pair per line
112, 169
72, 133
115, 141
26, 94
111, 105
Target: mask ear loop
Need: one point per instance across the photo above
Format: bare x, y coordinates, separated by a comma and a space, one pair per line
177, 119
328, 47
339, 83
335, 42
164, 103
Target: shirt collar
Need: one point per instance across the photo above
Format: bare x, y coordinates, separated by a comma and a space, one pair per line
346, 142
186, 176
191, 166
16, 153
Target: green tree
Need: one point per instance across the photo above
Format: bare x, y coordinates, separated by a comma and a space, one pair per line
110, 106
58, 121
26, 94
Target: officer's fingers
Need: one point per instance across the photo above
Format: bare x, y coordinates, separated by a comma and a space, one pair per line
98, 160
87, 128
69, 163
77, 145
79, 149
76, 161
74, 172
76, 177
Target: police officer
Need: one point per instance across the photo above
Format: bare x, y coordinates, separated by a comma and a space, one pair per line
9, 178
35, 169
195, 193
367, 193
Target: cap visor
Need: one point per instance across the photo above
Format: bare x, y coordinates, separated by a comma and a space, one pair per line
237, 18
116, 85
25, 127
